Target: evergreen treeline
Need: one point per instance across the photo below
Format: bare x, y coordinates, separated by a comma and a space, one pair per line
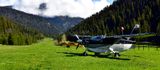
124, 13
13, 34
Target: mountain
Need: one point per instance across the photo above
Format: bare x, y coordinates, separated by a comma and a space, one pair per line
30, 21
50, 26
122, 13
19, 28
64, 22
11, 33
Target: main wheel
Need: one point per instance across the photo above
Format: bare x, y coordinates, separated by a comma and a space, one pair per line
85, 53
116, 55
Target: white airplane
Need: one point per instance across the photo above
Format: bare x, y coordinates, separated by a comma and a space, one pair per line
99, 44
113, 44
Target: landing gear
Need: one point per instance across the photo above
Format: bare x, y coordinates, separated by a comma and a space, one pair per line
116, 55
85, 53
96, 54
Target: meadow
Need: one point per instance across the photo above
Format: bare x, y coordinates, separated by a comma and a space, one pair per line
45, 55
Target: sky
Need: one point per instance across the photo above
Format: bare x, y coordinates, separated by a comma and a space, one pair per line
72, 8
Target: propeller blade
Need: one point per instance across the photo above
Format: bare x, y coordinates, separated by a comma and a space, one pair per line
77, 37
77, 46
79, 41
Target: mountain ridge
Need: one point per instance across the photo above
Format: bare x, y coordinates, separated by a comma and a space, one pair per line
64, 22
29, 20
50, 26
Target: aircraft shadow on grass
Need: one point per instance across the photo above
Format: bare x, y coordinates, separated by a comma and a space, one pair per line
71, 54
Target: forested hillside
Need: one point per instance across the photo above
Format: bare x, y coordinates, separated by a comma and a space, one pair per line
31, 21
13, 34
124, 13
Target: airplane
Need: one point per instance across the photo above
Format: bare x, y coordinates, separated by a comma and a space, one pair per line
107, 44
113, 45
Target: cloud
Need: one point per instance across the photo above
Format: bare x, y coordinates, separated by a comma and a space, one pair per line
73, 8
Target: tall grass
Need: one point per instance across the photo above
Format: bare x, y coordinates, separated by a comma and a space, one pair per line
46, 56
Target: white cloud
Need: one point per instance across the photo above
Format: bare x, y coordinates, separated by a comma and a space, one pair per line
73, 8
7, 2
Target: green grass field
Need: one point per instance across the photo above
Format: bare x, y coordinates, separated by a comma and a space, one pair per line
46, 56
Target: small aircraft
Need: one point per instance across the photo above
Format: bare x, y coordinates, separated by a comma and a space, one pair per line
107, 44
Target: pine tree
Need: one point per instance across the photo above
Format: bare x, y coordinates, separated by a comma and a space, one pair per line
158, 28
10, 40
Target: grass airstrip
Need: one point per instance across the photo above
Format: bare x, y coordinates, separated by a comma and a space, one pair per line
45, 55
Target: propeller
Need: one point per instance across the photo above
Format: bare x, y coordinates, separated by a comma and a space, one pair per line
79, 41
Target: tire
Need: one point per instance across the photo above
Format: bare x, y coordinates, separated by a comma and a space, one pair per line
116, 55
85, 54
